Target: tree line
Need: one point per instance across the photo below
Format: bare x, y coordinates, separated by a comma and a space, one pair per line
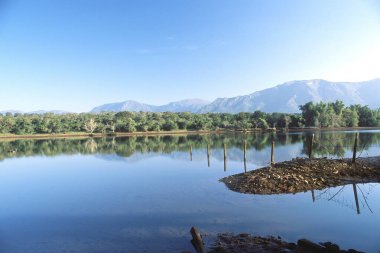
332, 114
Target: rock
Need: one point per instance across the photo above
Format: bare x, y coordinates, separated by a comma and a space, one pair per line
247, 243
285, 251
309, 245
331, 247
354, 251
292, 246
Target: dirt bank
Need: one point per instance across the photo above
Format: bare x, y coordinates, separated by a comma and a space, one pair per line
300, 174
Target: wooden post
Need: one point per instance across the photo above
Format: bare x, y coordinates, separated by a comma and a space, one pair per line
356, 198
208, 155
225, 157
355, 147
313, 195
197, 240
191, 153
245, 156
272, 154
311, 147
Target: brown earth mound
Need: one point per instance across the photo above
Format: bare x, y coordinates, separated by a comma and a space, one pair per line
300, 174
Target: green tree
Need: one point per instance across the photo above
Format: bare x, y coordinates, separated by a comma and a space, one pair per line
169, 125
310, 114
130, 125
350, 117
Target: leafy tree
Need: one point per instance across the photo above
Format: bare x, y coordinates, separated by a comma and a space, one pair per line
338, 107
130, 125
350, 117
310, 114
169, 125
367, 117
23, 125
284, 121
263, 123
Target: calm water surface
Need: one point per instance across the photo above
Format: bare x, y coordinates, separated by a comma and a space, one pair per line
143, 194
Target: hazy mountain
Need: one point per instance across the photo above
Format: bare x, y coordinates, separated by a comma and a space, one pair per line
52, 111
34, 112
188, 105
124, 106
288, 96
10, 111
285, 97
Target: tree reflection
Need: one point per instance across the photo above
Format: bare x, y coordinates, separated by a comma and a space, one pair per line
325, 144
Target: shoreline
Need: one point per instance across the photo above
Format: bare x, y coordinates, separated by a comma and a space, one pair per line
100, 135
179, 132
245, 242
311, 129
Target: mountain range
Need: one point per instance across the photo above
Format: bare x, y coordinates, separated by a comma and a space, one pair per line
34, 112
286, 97
188, 105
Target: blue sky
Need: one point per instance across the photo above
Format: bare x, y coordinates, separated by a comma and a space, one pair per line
77, 54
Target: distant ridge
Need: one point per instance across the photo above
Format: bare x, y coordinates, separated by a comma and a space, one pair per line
34, 112
286, 97
188, 105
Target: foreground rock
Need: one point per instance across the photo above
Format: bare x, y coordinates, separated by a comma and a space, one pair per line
302, 174
245, 243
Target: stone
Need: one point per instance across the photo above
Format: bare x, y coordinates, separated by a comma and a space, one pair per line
331, 247
309, 245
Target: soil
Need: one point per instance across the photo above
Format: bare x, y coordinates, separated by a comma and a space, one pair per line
301, 174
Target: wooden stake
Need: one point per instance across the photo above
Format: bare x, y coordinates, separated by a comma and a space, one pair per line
245, 156
356, 198
272, 153
355, 147
311, 147
191, 153
208, 155
197, 240
225, 157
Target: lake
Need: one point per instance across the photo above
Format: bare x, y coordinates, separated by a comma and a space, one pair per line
143, 194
